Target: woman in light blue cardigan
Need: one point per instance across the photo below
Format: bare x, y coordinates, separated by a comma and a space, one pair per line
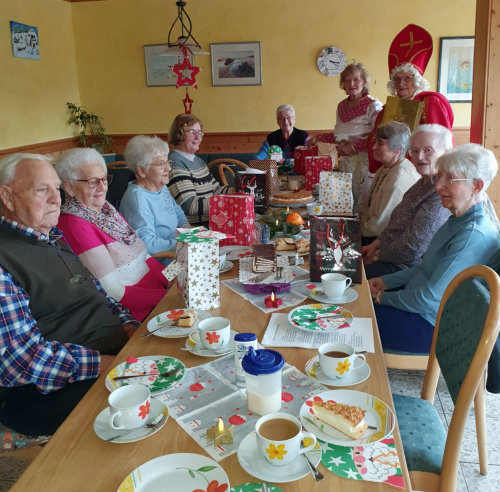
407, 302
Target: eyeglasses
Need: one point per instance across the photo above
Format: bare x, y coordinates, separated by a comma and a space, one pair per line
93, 182
163, 164
406, 79
287, 118
428, 151
447, 180
194, 132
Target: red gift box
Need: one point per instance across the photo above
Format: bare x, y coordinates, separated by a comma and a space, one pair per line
314, 165
299, 155
233, 214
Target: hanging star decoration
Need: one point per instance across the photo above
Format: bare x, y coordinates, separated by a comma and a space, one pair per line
188, 103
186, 72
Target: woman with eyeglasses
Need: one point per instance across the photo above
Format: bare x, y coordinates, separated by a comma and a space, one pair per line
102, 238
287, 137
191, 183
407, 302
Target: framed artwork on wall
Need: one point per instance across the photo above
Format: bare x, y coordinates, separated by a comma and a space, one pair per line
24, 41
236, 63
456, 56
158, 59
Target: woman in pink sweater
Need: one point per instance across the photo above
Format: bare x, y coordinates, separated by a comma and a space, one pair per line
102, 238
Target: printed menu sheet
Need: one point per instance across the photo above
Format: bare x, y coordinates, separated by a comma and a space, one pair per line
280, 333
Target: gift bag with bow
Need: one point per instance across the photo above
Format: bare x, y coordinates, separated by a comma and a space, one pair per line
197, 251
335, 192
234, 215
335, 247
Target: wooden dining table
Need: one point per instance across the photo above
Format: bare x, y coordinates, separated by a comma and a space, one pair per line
76, 459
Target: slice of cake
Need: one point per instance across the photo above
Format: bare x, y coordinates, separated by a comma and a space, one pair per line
303, 246
187, 318
347, 419
263, 258
285, 244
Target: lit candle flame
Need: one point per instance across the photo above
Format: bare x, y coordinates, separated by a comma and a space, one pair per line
220, 425
288, 209
272, 297
276, 222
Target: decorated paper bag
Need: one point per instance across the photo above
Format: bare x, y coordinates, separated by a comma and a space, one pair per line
272, 177
197, 251
314, 165
299, 155
326, 146
335, 247
335, 192
233, 214
254, 182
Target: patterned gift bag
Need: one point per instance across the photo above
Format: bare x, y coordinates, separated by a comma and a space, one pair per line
314, 165
335, 192
197, 251
254, 182
272, 178
233, 214
299, 155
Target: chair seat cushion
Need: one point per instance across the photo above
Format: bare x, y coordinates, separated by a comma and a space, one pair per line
422, 433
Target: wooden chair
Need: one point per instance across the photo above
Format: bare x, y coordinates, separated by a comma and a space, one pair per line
226, 168
467, 328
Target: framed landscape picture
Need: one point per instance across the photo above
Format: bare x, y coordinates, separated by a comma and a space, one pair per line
456, 57
236, 63
158, 59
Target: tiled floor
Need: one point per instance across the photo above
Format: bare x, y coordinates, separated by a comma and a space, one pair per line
410, 383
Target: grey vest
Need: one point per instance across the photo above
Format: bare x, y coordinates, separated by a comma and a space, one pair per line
65, 311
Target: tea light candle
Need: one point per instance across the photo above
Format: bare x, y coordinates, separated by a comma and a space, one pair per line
220, 434
287, 210
277, 222
272, 301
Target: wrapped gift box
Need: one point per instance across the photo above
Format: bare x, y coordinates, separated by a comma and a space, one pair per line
197, 252
335, 192
314, 165
233, 214
300, 153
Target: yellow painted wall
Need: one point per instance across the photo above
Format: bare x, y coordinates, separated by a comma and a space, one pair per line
33, 93
110, 36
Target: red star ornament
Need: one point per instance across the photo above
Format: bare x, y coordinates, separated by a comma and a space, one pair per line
186, 73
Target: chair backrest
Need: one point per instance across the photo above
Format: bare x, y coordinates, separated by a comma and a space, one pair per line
121, 178
467, 328
223, 170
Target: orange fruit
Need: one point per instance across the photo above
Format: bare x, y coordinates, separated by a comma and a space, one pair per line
295, 219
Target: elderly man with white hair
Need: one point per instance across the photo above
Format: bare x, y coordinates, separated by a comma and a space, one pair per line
287, 137
406, 317
58, 330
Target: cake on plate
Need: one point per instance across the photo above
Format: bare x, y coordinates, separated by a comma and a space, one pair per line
349, 420
292, 197
263, 258
187, 318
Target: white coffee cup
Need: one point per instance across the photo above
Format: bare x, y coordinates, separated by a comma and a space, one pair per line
213, 334
314, 208
129, 406
334, 284
337, 359
279, 438
222, 260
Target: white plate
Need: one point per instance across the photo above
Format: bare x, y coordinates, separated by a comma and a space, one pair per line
290, 253
378, 414
235, 252
182, 472
105, 431
360, 373
166, 383
300, 316
225, 268
291, 205
174, 331
318, 295
257, 466
205, 352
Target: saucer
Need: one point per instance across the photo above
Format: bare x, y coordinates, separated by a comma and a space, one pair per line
256, 465
105, 431
318, 295
204, 352
360, 373
226, 267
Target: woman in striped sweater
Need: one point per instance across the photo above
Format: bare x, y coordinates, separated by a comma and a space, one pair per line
191, 183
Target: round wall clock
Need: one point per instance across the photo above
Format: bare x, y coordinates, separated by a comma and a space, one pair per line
331, 61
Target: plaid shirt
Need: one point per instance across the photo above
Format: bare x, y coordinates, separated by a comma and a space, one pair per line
26, 357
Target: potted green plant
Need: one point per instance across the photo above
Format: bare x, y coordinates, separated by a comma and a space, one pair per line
88, 124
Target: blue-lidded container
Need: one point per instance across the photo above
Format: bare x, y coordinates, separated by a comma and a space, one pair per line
263, 370
242, 342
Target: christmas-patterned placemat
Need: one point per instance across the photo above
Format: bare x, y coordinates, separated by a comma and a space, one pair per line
374, 462
209, 392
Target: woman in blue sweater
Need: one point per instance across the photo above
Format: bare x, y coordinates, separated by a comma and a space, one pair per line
406, 317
